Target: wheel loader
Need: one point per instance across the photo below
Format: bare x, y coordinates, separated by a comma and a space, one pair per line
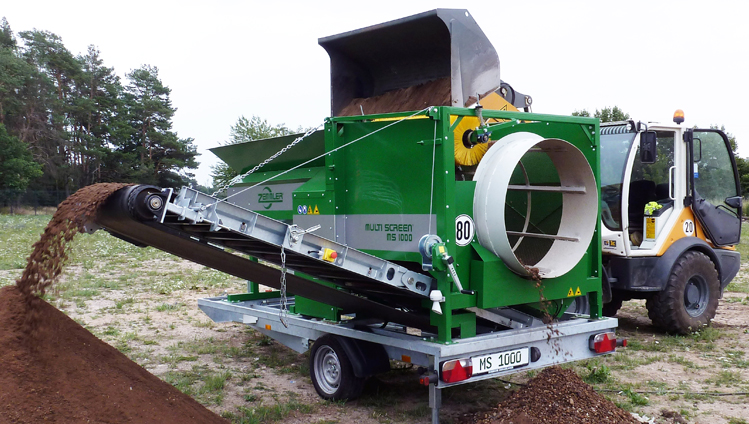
671, 213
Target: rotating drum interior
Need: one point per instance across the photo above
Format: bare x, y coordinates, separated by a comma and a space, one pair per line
535, 204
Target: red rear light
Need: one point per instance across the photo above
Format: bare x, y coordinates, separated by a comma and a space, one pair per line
603, 342
457, 370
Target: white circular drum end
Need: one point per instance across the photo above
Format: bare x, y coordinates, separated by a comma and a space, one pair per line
535, 204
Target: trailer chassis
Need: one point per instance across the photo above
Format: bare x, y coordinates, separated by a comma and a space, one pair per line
565, 341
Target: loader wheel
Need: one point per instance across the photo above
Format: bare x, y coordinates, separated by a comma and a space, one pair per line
690, 299
610, 309
331, 371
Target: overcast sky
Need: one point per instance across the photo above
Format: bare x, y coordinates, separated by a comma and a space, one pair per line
225, 59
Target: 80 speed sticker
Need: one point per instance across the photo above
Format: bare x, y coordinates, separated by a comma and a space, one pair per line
464, 230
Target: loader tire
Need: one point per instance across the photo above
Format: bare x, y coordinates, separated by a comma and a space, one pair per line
610, 309
331, 371
690, 299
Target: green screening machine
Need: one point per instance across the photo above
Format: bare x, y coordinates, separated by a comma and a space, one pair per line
396, 185
429, 220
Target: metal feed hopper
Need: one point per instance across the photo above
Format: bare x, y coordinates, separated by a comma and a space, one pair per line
441, 45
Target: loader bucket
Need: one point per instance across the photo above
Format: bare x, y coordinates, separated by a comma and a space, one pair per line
435, 58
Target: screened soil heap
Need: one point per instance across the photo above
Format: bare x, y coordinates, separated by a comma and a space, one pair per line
54, 370
557, 396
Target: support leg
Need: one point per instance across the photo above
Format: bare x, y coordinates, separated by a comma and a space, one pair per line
435, 402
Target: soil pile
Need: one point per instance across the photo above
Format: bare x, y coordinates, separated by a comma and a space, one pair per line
64, 374
557, 396
54, 370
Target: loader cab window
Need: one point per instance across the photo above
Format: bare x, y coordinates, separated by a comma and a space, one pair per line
715, 186
656, 173
650, 182
615, 149
713, 170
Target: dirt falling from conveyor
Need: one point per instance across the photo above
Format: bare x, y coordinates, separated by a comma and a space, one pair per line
552, 335
49, 254
54, 370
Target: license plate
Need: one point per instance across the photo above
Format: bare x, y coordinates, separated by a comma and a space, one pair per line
500, 361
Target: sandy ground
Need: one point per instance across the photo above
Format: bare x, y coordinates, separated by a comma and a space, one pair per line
173, 327
165, 332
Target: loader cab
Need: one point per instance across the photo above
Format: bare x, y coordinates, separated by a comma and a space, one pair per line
686, 185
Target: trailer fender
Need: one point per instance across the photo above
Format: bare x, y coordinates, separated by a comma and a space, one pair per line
366, 358
664, 265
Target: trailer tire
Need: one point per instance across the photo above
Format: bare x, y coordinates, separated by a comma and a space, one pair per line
331, 371
690, 299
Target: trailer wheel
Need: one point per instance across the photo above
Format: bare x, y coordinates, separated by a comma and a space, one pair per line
331, 371
690, 299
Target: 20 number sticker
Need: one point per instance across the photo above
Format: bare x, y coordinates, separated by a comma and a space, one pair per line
464, 230
688, 228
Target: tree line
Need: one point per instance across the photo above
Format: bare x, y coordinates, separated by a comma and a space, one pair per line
67, 121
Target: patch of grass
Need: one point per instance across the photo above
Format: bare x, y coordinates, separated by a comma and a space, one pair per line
660, 386
732, 299
725, 378
121, 303
168, 307
743, 246
735, 358
173, 359
264, 341
636, 398
78, 294
17, 234
111, 331
707, 335
284, 360
703, 340
269, 413
630, 362
216, 382
204, 324
677, 359
597, 374
735, 420
205, 385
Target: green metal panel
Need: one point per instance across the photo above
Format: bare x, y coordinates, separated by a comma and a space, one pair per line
309, 307
382, 179
244, 156
241, 297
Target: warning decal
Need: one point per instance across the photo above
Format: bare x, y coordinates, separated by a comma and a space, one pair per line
577, 292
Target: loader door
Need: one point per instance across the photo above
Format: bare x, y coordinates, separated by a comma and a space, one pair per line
714, 185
